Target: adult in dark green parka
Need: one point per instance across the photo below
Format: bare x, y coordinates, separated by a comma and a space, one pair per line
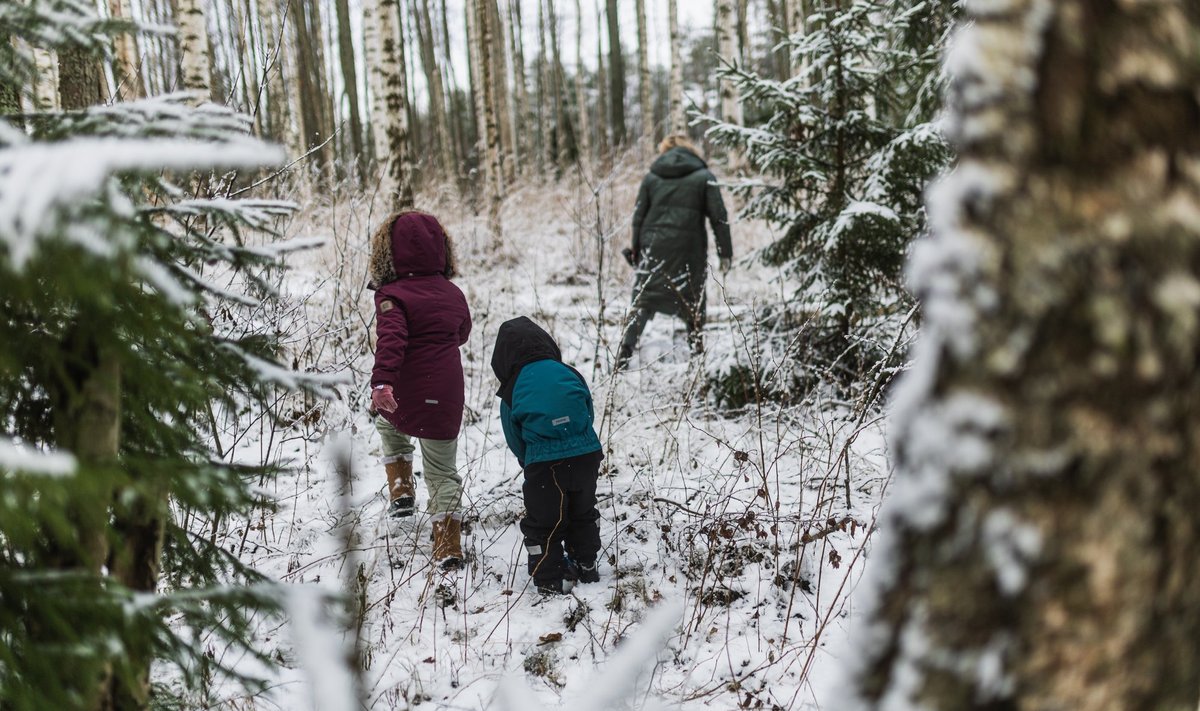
670, 243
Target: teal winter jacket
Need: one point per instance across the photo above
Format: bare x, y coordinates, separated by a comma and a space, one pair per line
551, 414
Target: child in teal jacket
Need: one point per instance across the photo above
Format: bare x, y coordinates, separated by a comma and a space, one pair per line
546, 413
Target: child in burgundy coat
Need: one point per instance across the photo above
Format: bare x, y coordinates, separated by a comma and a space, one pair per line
421, 319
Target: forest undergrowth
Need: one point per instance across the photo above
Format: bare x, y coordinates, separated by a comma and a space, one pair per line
754, 520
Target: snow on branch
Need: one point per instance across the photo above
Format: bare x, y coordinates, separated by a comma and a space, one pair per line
40, 183
18, 457
320, 384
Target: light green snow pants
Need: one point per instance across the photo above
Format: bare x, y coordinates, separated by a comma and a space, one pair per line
437, 455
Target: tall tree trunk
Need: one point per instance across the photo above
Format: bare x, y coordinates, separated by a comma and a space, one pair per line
454, 96
727, 48
581, 103
602, 85
520, 103
126, 61
500, 96
195, 71
547, 148
1039, 542
616, 75
350, 87
676, 117
310, 71
564, 142
437, 95
276, 102
491, 146
390, 107
87, 405
647, 137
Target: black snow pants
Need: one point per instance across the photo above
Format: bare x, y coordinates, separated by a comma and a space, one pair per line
560, 515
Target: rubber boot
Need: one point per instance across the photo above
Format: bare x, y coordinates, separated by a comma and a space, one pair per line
401, 490
447, 540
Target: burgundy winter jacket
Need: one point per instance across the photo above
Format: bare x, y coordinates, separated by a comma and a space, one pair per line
421, 319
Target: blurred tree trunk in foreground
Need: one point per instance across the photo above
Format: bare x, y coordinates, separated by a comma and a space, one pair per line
1040, 539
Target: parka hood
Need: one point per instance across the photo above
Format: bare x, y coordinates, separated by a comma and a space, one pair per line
410, 244
676, 163
520, 342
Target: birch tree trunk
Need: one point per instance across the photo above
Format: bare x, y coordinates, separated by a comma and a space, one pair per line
126, 60
647, 137
581, 103
1039, 542
491, 132
616, 75
390, 108
195, 72
727, 48
45, 90
676, 117
500, 99
350, 87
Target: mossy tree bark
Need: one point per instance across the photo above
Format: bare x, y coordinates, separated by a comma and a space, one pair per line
1039, 544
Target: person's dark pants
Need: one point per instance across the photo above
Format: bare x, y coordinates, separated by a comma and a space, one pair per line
693, 320
561, 515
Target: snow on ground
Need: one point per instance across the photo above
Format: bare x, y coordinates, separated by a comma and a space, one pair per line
746, 521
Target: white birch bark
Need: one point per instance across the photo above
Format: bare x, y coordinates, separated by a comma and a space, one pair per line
727, 48
647, 138
676, 117
193, 48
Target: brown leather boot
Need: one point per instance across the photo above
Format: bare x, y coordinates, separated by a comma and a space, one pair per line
401, 490
447, 540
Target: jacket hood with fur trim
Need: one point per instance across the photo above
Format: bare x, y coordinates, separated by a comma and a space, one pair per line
410, 244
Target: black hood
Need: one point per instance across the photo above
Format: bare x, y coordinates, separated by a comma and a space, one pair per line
520, 342
676, 163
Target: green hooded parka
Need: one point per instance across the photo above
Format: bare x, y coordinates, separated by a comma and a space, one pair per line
670, 243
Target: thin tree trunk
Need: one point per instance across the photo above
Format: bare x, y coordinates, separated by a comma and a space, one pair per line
520, 103
616, 75
195, 71
647, 137
676, 117
437, 97
602, 85
1038, 548
126, 61
581, 103
500, 97
350, 87
547, 149
492, 167
563, 138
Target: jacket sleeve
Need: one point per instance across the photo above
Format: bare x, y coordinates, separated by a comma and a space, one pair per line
512, 433
391, 327
714, 206
464, 329
639, 216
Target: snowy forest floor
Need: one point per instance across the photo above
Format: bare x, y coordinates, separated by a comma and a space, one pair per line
753, 522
